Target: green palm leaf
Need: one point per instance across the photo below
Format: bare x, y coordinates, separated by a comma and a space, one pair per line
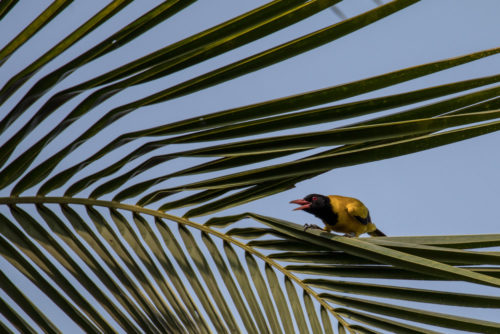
77, 254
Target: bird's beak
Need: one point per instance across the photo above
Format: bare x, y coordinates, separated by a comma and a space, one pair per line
303, 204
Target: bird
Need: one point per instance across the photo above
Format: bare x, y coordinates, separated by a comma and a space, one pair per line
340, 214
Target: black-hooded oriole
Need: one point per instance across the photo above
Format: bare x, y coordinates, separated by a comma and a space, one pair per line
340, 214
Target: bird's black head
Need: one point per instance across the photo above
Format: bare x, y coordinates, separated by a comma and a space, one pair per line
318, 205
314, 204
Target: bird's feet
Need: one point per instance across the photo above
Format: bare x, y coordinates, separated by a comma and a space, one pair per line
350, 235
308, 226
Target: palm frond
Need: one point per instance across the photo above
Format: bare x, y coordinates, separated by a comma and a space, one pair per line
77, 254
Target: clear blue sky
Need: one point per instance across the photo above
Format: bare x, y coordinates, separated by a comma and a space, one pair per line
449, 190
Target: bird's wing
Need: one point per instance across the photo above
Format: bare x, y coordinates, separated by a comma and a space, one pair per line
360, 212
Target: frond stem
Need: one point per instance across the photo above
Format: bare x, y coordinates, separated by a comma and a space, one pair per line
159, 214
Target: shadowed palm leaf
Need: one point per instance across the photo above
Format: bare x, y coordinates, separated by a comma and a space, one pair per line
84, 234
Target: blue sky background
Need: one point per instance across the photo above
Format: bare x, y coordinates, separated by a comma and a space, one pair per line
447, 190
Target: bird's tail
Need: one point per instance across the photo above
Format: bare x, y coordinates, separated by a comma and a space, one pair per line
377, 233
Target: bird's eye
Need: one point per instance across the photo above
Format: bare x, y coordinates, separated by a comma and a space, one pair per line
314, 198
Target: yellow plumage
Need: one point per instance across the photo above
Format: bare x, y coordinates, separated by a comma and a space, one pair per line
347, 209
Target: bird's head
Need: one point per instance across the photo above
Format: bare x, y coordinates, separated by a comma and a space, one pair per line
313, 203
